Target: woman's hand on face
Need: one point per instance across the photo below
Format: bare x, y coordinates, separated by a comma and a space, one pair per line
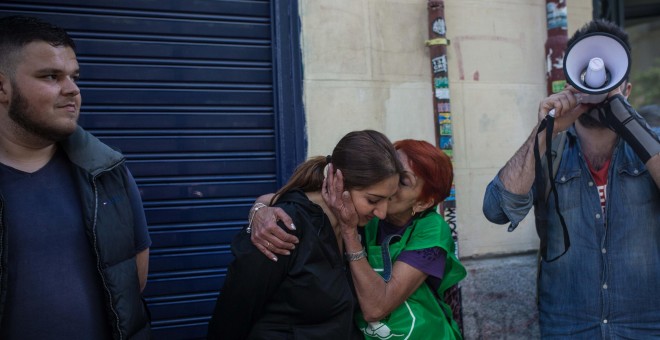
338, 200
268, 237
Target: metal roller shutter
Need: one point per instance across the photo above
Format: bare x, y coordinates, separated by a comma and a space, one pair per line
203, 98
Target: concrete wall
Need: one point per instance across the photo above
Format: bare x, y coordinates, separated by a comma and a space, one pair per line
366, 66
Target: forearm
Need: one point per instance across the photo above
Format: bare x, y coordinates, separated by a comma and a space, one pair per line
519, 172
142, 261
378, 298
369, 286
265, 199
653, 166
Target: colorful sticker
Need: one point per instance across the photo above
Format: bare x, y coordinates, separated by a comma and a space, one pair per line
446, 143
445, 129
439, 64
452, 196
444, 118
444, 121
444, 107
442, 93
558, 85
439, 26
441, 82
557, 17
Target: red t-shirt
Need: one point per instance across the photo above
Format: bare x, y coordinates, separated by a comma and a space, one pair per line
600, 177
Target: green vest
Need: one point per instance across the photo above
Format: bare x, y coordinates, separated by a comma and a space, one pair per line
422, 315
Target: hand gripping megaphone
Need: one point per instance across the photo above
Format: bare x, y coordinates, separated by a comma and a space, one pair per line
596, 64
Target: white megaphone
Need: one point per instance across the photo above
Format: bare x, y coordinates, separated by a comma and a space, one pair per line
595, 65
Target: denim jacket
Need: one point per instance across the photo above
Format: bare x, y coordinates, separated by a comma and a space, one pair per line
606, 285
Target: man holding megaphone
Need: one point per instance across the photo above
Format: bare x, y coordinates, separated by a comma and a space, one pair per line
600, 235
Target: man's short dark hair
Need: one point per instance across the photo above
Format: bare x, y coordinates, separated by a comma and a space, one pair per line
17, 31
601, 26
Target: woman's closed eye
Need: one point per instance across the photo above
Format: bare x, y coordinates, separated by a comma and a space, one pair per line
408, 179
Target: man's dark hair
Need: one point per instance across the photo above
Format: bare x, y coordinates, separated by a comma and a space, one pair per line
601, 26
18, 31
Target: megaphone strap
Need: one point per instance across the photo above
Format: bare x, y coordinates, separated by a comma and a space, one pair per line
547, 124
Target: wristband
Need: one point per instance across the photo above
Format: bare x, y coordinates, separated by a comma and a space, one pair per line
253, 211
350, 257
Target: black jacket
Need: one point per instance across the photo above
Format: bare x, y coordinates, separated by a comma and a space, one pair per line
307, 295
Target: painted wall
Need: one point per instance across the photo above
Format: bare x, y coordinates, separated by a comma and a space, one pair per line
366, 66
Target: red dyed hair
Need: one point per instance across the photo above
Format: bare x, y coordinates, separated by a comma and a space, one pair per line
430, 164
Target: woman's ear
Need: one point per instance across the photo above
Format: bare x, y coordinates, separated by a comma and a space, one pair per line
423, 205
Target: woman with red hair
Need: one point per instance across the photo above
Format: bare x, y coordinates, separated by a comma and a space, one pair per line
401, 266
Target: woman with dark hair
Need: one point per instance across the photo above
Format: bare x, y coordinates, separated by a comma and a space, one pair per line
410, 260
307, 295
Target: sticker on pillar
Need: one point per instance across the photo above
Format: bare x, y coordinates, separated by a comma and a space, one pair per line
444, 120
556, 16
440, 82
452, 195
439, 26
558, 85
442, 93
444, 107
446, 143
553, 61
449, 153
439, 64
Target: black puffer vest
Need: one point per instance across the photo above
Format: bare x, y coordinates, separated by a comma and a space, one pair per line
108, 218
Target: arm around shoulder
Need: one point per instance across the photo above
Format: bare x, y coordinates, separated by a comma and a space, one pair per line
266, 235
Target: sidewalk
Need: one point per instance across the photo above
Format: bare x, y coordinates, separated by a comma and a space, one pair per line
499, 298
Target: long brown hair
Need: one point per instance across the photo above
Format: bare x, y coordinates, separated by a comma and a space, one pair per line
364, 157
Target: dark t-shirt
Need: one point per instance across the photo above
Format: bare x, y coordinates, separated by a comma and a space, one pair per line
54, 290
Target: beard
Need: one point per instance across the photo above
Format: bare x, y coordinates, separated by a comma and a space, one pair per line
589, 121
21, 113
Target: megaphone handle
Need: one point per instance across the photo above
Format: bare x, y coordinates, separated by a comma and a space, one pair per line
628, 124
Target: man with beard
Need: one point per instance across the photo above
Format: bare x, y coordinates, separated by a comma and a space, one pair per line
74, 245
605, 285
